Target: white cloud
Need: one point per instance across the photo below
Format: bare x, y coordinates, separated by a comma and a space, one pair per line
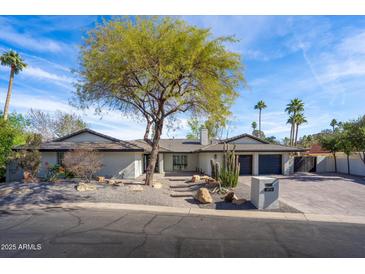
40, 73
25, 40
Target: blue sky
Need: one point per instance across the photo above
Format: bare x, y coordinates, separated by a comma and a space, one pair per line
320, 60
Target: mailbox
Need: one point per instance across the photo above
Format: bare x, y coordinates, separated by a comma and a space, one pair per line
265, 192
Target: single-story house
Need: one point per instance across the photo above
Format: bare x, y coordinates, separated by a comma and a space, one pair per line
129, 159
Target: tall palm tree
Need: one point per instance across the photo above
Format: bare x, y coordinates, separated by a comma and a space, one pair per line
333, 124
260, 106
299, 119
291, 122
295, 106
13, 60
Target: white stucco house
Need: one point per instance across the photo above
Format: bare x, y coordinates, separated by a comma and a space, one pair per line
129, 159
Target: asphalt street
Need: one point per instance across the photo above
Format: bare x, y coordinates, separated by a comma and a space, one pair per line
59, 232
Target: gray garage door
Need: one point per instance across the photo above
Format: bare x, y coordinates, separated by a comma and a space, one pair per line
245, 164
269, 164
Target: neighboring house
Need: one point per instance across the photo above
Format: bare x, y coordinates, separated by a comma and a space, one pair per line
129, 159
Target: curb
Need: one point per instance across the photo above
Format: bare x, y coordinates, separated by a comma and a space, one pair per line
306, 217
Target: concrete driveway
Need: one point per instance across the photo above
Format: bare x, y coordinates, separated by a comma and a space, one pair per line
327, 193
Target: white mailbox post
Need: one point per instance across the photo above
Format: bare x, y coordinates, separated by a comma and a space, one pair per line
265, 192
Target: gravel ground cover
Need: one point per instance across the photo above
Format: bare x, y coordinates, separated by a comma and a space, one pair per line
47, 193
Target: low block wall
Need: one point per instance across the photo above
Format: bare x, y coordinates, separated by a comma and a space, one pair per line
327, 164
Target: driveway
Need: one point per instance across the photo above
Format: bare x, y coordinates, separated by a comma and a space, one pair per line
327, 193
60, 232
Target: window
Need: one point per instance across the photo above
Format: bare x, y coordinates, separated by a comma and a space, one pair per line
60, 156
180, 162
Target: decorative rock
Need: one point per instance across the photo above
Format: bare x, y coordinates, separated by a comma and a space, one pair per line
6, 192
22, 191
136, 188
111, 182
85, 187
157, 185
212, 181
204, 196
230, 197
239, 201
28, 178
196, 178
101, 179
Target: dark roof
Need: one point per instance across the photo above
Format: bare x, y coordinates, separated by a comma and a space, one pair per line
166, 145
228, 140
173, 145
267, 147
105, 146
86, 130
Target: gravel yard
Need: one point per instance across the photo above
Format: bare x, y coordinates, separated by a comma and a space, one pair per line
47, 193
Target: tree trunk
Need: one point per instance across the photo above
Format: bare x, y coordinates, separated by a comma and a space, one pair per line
334, 157
260, 123
154, 153
292, 134
348, 164
10, 86
296, 134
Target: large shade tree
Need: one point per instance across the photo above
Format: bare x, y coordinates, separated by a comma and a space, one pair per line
157, 68
13, 60
331, 143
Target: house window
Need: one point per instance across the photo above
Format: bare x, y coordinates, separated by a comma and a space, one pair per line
180, 162
60, 156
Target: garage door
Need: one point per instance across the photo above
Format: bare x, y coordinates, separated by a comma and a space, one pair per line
269, 164
245, 164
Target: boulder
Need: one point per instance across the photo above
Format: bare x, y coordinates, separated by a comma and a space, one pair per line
195, 179
157, 185
212, 181
101, 179
136, 188
28, 178
111, 182
6, 192
204, 196
85, 187
230, 196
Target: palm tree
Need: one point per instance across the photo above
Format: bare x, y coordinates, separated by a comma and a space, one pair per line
13, 60
291, 122
333, 124
254, 125
295, 106
260, 106
299, 119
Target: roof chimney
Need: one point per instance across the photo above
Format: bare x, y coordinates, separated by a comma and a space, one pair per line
204, 140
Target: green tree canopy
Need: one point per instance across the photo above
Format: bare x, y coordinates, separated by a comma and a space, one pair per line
12, 133
156, 68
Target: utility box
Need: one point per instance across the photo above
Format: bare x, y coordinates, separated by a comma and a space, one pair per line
265, 192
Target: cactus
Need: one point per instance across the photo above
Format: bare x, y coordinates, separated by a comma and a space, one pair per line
230, 170
215, 167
